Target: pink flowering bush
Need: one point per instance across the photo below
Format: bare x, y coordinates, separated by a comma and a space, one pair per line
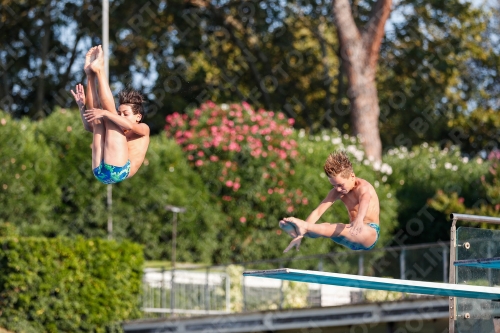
245, 157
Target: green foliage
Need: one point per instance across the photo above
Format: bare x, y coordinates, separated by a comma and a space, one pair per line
166, 178
68, 285
420, 174
47, 188
478, 130
28, 180
487, 204
7, 230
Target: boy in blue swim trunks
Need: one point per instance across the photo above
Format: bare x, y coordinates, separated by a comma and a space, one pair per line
360, 199
120, 140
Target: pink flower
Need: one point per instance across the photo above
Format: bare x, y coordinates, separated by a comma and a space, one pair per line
289, 209
201, 154
243, 219
236, 186
291, 121
199, 163
214, 158
229, 183
272, 165
270, 191
228, 164
233, 146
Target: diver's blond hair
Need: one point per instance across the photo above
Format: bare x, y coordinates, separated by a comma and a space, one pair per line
338, 163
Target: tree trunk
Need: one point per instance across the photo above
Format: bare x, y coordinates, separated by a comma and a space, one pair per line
359, 52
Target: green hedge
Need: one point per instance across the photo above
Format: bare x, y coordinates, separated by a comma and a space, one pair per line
419, 176
47, 189
68, 285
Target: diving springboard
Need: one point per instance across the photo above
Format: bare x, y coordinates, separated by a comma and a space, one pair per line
369, 282
479, 263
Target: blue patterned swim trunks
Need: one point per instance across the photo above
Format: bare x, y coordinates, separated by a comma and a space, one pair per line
110, 174
355, 246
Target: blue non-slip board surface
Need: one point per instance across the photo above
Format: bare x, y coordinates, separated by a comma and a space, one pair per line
368, 282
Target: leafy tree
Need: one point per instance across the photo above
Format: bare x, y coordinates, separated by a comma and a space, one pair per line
428, 79
40, 47
283, 56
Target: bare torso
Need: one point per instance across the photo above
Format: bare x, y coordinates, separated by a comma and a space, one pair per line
137, 148
351, 202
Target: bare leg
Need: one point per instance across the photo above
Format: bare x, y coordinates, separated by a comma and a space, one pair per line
92, 97
98, 144
115, 147
88, 103
366, 237
105, 95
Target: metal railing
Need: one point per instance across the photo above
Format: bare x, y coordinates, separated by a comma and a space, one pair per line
453, 256
223, 289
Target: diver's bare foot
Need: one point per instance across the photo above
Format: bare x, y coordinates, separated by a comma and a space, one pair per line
89, 57
300, 226
288, 228
97, 65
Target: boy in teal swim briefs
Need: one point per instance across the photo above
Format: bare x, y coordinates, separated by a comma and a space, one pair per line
120, 140
360, 199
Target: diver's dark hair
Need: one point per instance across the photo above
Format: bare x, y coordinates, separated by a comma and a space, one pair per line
133, 98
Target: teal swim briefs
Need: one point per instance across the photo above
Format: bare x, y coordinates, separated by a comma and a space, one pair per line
110, 174
355, 246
